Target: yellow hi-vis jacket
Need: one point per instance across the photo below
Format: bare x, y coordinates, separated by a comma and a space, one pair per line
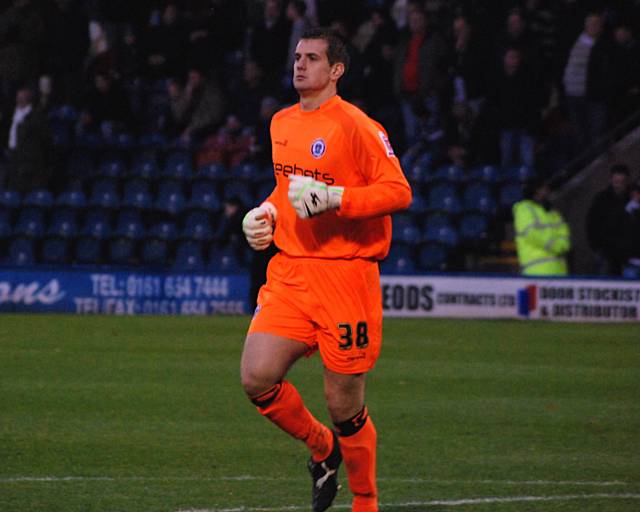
542, 239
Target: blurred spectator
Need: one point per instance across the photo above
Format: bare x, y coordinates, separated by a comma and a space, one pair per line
262, 143
542, 235
230, 146
516, 35
21, 33
378, 55
514, 100
469, 65
542, 20
106, 107
101, 57
606, 221
198, 107
625, 63
468, 137
296, 14
28, 145
67, 42
350, 86
228, 231
45, 97
269, 43
164, 44
419, 75
633, 218
129, 58
586, 83
248, 94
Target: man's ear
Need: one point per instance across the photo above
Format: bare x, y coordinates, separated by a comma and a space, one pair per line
337, 70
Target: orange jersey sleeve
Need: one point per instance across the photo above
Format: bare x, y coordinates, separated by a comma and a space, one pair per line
339, 145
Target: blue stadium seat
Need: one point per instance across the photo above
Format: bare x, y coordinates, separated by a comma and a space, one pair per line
40, 198
112, 166
432, 256
30, 223
6, 227
10, 200
478, 197
246, 171
225, 260
519, 174
444, 198
474, 228
204, 197
104, 194
64, 113
178, 166
153, 140
197, 227
73, 199
21, 252
489, 174
129, 225
166, 231
400, 260
55, 251
445, 235
63, 224
88, 250
189, 257
214, 172
97, 224
170, 199
450, 174
239, 190
154, 252
81, 164
418, 204
508, 195
145, 166
122, 251
136, 195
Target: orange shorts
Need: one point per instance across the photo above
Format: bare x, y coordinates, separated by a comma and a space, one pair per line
334, 306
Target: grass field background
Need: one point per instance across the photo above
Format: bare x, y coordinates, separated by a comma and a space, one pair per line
147, 414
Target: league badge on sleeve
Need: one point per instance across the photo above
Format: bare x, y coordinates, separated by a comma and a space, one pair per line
386, 143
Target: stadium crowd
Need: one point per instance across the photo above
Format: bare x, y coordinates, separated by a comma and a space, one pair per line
520, 86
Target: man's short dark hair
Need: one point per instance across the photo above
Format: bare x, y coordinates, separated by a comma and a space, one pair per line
621, 169
336, 47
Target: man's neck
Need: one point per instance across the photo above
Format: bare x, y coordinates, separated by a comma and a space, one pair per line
313, 101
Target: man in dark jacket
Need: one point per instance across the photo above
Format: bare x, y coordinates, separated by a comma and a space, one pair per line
28, 144
607, 221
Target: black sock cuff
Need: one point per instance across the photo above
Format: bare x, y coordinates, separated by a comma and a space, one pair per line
266, 399
352, 425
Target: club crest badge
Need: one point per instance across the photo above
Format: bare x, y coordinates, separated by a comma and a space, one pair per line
318, 147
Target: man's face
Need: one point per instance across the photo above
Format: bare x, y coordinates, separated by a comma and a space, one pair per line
311, 70
619, 183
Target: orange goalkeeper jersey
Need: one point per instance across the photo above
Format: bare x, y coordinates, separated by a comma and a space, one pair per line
339, 145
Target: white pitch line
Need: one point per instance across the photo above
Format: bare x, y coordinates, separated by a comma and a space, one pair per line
435, 503
240, 478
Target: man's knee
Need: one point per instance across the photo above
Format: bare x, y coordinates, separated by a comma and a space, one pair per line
256, 381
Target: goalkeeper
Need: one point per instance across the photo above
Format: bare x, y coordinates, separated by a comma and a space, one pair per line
337, 182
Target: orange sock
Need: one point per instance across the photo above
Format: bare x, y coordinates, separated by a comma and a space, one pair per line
282, 404
358, 446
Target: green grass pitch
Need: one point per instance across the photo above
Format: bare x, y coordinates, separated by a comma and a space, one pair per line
146, 414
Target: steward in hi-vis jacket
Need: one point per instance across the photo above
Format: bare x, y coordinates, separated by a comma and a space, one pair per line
542, 235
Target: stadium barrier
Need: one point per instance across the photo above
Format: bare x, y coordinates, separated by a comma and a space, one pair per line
93, 291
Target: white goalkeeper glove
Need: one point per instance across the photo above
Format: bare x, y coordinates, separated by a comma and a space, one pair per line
258, 226
310, 197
